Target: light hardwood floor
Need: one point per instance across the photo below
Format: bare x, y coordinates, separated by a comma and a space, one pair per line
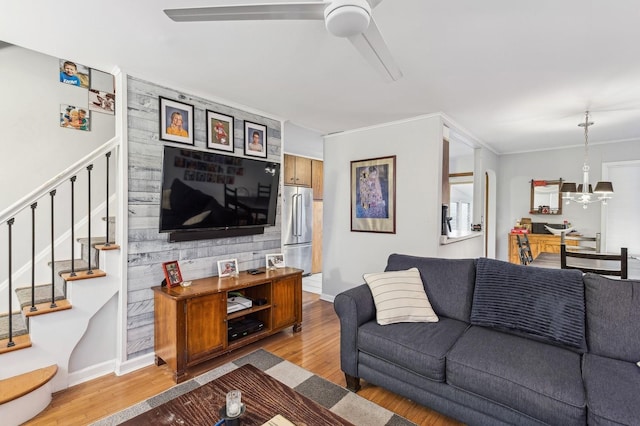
316, 348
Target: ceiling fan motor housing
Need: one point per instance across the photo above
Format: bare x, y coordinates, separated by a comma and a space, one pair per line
346, 18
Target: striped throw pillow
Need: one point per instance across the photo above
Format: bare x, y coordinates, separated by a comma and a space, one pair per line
399, 296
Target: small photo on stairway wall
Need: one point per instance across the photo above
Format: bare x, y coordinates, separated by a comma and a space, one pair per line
74, 74
373, 195
73, 117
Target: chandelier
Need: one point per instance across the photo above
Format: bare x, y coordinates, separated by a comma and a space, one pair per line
584, 193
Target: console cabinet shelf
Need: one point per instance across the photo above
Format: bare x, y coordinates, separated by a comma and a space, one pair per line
191, 323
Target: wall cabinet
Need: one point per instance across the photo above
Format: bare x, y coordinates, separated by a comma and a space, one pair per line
192, 324
297, 170
539, 243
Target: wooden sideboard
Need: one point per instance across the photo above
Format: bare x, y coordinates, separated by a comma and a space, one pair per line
539, 243
191, 323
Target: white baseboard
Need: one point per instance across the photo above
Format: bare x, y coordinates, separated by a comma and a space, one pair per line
327, 297
92, 372
135, 364
109, 367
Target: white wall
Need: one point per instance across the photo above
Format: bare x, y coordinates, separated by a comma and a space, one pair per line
30, 109
417, 145
302, 142
517, 170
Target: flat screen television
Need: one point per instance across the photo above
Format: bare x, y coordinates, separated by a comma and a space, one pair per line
209, 191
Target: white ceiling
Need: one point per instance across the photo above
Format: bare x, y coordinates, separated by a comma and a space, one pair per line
517, 75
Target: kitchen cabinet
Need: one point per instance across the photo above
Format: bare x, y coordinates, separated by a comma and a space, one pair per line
297, 170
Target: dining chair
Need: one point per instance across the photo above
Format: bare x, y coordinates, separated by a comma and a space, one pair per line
595, 262
583, 243
264, 191
231, 203
524, 249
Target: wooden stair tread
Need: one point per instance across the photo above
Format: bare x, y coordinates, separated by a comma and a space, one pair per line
17, 386
111, 246
83, 275
45, 308
21, 342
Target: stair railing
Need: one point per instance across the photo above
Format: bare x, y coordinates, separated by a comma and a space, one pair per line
107, 243
10, 343
73, 227
31, 200
53, 183
53, 257
33, 258
89, 168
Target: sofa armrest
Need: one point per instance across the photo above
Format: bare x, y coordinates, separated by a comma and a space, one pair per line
354, 307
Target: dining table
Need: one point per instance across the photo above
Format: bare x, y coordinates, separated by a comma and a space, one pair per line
552, 260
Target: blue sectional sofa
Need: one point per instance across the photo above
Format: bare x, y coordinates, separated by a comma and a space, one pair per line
513, 344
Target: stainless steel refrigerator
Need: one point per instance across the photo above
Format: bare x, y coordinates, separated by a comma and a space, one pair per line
297, 223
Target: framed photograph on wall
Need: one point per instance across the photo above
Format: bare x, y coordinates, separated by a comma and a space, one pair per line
275, 261
73, 117
373, 195
172, 273
227, 268
176, 121
74, 74
255, 139
219, 131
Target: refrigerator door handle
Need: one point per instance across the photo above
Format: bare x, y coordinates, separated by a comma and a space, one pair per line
294, 222
299, 217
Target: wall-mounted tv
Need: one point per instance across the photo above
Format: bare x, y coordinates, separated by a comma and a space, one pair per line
208, 191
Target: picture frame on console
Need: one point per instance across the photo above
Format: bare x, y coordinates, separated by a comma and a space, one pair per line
172, 273
227, 268
255, 140
219, 131
275, 261
176, 121
373, 195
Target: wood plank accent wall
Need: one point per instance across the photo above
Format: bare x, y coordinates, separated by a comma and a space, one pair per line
146, 246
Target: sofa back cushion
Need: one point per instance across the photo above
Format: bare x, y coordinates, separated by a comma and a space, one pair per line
448, 282
544, 304
613, 317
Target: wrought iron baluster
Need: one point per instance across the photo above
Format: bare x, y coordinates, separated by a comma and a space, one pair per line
89, 168
73, 238
107, 244
33, 257
11, 342
53, 257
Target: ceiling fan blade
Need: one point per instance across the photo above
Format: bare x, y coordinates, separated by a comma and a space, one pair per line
372, 46
374, 3
283, 11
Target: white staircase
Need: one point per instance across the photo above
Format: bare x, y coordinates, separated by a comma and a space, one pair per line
54, 337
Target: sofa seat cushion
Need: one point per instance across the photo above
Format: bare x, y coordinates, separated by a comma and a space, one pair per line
419, 347
540, 380
613, 390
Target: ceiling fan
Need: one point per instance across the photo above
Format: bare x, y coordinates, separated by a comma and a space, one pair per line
343, 18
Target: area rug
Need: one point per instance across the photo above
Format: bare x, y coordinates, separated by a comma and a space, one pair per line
339, 400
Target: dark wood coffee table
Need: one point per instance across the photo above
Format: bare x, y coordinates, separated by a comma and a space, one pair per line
263, 396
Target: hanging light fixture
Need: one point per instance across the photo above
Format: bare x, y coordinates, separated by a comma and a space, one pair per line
584, 193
